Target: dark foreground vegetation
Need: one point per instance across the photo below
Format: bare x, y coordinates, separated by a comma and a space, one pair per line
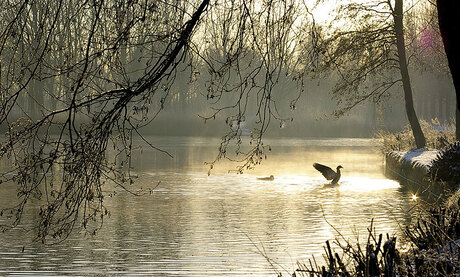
446, 166
429, 248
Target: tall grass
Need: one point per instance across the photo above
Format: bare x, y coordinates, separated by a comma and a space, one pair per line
437, 135
431, 248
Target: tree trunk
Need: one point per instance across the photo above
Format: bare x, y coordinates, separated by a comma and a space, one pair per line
448, 16
400, 44
457, 122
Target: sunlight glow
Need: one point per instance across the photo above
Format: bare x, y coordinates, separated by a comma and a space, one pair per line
361, 184
292, 183
322, 12
414, 197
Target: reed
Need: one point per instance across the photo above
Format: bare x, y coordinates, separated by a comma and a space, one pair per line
437, 135
430, 248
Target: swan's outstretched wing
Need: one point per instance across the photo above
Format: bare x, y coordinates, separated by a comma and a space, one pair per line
327, 172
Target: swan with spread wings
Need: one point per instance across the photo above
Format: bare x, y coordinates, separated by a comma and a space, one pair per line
328, 172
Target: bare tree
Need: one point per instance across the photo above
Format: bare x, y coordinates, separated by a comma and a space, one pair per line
365, 47
246, 58
98, 71
403, 67
58, 156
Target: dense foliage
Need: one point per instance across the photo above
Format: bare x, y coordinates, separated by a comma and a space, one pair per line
446, 166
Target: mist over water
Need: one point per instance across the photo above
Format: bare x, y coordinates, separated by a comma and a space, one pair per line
223, 224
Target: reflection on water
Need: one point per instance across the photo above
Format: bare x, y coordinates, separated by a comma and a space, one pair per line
224, 224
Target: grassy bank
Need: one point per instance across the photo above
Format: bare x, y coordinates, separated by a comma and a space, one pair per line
437, 135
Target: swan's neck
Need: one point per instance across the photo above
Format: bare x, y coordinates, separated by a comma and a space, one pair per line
337, 177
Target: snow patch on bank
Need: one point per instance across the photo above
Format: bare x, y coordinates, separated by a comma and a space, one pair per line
417, 157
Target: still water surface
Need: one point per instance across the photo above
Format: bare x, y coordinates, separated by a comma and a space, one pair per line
224, 224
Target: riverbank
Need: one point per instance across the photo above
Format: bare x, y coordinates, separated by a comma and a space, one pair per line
417, 169
411, 168
420, 169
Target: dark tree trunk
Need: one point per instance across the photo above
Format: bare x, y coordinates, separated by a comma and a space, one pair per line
400, 44
448, 17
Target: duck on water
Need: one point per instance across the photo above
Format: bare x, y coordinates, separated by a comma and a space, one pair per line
271, 178
328, 172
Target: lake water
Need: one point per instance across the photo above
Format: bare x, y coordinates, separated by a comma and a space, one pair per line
224, 224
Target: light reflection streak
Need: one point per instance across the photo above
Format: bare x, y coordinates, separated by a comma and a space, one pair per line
366, 184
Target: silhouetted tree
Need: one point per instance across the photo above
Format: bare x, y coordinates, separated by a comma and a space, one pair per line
448, 15
109, 67
58, 155
402, 59
365, 47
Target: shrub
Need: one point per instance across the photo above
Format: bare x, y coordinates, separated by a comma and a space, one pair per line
446, 166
